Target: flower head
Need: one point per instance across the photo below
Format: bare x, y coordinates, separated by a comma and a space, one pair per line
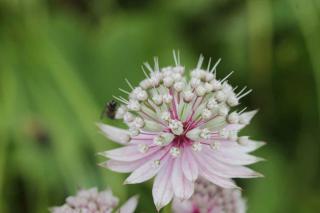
92, 201
209, 198
180, 129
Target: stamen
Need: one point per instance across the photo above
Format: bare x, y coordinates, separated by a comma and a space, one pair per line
128, 82
200, 61
246, 93
215, 66
225, 78
209, 63
124, 91
121, 100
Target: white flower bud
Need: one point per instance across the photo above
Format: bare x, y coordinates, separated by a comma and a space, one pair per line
168, 81
157, 99
179, 86
226, 87
128, 117
142, 95
176, 76
156, 164
232, 101
215, 145
163, 139
175, 151
206, 114
195, 82
216, 85
178, 69
205, 133
145, 84
233, 118
196, 73
188, 96
167, 98
196, 146
212, 104
143, 148
138, 122
134, 105
208, 87
201, 90
220, 96
209, 76
176, 127
134, 132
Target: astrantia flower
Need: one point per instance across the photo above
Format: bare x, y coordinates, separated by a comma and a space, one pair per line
92, 201
209, 198
180, 129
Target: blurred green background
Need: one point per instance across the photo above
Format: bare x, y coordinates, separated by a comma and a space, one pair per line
61, 60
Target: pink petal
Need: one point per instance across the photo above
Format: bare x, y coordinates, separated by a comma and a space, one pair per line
225, 170
189, 165
215, 179
147, 171
234, 157
162, 191
248, 115
128, 153
130, 205
183, 188
122, 166
245, 146
249, 145
115, 134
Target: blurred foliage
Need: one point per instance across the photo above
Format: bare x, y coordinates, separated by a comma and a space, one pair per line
60, 60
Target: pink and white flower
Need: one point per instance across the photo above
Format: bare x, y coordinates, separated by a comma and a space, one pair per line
209, 198
92, 201
180, 129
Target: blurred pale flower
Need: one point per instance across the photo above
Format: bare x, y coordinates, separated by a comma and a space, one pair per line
179, 130
209, 198
92, 201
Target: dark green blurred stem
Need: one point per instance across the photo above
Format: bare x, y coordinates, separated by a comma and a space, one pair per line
8, 91
260, 47
308, 20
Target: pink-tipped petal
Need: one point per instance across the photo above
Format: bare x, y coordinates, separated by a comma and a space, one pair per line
189, 165
128, 153
245, 145
239, 159
225, 170
162, 191
130, 205
183, 188
121, 166
215, 179
247, 116
147, 171
115, 134
249, 145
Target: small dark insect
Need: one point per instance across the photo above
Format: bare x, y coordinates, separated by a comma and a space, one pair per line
109, 109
